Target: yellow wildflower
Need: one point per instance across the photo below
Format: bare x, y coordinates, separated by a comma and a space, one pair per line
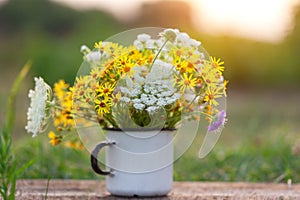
54, 139
225, 87
96, 73
190, 68
102, 106
101, 46
116, 97
105, 89
212, 93
180, 64
125, 65
217, 63
73, 145
209, 74
187, 82
60, 89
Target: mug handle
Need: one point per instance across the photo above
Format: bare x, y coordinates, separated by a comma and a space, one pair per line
94, 160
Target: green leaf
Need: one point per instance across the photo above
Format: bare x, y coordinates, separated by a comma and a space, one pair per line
10, 112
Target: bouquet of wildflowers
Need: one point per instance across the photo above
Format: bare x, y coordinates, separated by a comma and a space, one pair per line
152, 83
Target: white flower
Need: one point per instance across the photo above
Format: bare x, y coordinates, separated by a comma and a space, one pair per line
146, 89
93, 56
161, 102
37, 111
141, 41
153, 91
158, 43
135, 92
169, 34
138, 79
184, 39
171, 100
124, 90
144, 96
125, 99
129, 82
166, 93
84, 49
143, 37
150, 44
152, 108
139, 106
150, 101
195, 43
177, 96
160, 70
136, 101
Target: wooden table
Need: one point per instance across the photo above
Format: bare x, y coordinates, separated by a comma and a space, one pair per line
90, 189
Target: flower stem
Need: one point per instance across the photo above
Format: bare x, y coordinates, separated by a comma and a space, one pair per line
75, 114
156, 56
10, 114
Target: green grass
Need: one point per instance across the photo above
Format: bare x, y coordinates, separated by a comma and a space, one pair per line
271, 161
8, 164
261, 159
259, 144
53, 162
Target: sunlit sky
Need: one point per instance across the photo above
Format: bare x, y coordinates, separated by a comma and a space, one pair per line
264, 20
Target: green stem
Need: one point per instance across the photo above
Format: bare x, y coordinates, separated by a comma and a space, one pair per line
192, 101
156, 56
47, 188
74, 114
10, 114
7, 160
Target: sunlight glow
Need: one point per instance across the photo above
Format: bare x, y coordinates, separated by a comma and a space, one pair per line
267, 20
264, 20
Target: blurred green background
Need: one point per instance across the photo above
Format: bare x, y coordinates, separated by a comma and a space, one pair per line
261, 140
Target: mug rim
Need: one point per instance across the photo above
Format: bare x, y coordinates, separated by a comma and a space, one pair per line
138, 129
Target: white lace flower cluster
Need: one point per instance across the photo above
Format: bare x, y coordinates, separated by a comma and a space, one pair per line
37, 111
151, 92
145, 41
150, 97
93, 57
179, 38
173, 35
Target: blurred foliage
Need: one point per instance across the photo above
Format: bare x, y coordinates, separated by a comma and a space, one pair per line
268, 152
56, 162
51, 35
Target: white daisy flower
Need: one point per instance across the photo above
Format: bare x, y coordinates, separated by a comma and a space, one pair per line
39, 106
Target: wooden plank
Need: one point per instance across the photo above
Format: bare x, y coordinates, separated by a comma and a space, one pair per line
90, 189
